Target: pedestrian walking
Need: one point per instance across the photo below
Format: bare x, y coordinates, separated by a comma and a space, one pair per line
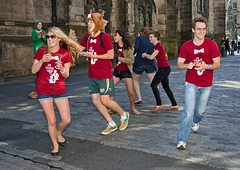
238, 45
222, 43
52, 63
227, 45
162, 74
142, 45
101, 85
202, 56
123, 69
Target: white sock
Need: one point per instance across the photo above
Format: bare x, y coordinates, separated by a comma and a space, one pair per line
112, 123
124, 116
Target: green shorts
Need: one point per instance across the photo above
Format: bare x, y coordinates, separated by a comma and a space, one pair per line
102, 86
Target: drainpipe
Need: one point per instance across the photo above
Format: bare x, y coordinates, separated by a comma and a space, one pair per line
54, 13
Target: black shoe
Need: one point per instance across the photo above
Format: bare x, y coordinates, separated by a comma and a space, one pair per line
54, 153
62, 143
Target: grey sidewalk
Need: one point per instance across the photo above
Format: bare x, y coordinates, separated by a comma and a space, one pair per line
215, 144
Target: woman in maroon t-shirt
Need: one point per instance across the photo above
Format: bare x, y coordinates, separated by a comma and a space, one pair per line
123, 68
52, 63
162, 73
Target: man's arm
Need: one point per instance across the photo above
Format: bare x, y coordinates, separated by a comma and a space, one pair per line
216, 63
214, 66
182, 66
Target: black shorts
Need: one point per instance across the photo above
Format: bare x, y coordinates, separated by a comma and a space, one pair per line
122, 74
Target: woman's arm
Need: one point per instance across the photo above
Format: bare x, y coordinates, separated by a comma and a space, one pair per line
34, 36
37, 64
128, 57
65, 70
44, 36
152, 56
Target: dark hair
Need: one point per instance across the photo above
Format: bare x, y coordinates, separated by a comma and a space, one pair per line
156, 34
144, 32
198, 19
126, 42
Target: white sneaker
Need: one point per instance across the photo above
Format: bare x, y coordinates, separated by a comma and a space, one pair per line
181, 145
195, 127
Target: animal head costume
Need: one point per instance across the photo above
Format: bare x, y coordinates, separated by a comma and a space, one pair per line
97, 18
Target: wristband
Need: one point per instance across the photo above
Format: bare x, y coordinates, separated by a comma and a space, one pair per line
209, 66
64, 70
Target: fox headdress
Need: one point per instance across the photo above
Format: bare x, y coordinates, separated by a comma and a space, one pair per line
97, 18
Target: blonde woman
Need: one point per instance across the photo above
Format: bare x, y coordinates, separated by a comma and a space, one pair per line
52, 63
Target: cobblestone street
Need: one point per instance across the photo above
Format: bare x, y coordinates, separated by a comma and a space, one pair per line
217, 143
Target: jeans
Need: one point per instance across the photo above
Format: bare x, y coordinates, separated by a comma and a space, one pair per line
195, 104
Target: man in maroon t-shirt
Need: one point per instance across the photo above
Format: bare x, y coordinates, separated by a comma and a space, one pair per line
100, 52
199, 57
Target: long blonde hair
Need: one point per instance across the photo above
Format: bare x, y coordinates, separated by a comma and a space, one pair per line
66, 42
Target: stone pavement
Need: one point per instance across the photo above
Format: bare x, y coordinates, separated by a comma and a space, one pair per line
216, 143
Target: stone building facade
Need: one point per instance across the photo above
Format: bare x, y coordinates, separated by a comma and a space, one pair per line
172, 18
236, 13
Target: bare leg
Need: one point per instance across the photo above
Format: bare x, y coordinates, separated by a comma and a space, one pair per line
136, 85
101, 108
47, 106
116, 81
106, 101
129, 85
64, 111
151, 76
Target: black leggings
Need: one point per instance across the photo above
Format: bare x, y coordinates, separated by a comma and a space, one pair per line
162, 76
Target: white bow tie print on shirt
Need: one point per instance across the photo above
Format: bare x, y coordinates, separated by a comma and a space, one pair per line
93, 41
54, 58
198, 51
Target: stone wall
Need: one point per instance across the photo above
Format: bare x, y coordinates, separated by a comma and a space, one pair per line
171, 36
16, 56
172, 18
17, 20
184, 19
218, 13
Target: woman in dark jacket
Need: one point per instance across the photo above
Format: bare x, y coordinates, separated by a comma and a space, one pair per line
143, 45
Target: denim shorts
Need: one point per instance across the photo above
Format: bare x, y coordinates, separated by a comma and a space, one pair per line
147, 68
122, 74
42, 97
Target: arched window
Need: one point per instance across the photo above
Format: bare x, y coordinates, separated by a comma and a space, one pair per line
201, 5
145, 8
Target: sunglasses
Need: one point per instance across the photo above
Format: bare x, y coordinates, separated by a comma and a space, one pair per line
52, 36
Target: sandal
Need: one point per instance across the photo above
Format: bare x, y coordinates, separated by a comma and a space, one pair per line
135, 112
110, 111
33, 95
138, 102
